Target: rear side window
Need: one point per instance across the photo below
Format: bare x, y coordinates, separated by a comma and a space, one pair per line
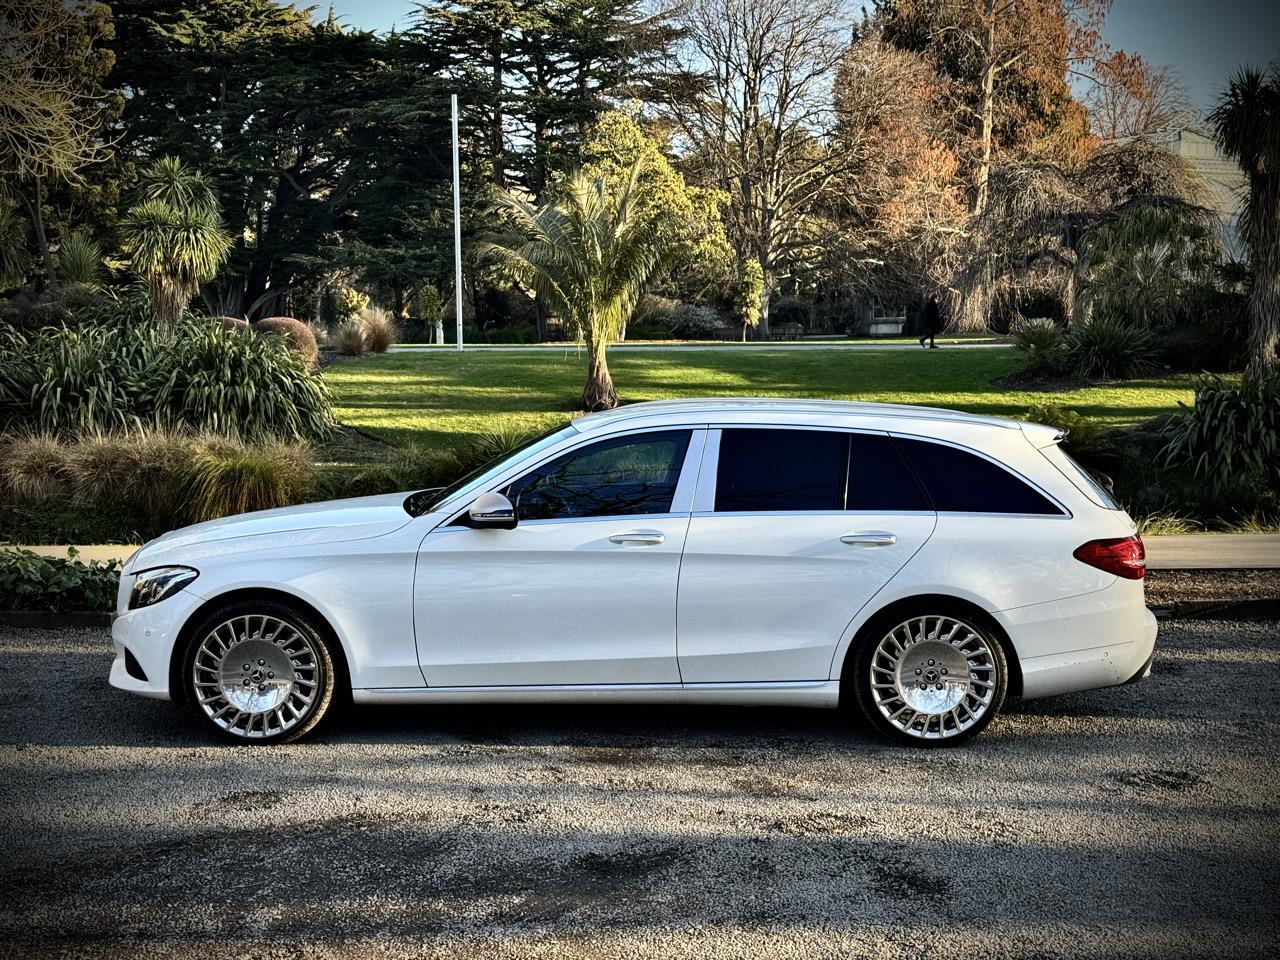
823, 470
961, 482
879, 479
781, 470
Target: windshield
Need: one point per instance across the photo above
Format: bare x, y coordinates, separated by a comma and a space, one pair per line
428, 501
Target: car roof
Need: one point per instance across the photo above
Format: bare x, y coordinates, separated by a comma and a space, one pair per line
814, 411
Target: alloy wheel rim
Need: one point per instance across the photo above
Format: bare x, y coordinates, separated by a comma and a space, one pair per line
933, 677
257, 676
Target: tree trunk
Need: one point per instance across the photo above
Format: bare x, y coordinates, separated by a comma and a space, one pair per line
495, 122
766, 294
988, 109
598, 394
36, 212
1264, 296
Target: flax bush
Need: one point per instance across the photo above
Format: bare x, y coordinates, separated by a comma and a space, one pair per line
111, 374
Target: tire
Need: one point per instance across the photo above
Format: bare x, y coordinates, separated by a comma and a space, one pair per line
929, 675
259, 671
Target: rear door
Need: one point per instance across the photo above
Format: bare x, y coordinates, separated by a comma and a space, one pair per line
793, 531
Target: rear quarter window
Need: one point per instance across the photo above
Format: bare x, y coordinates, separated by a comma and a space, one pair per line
1085, 481
962, 482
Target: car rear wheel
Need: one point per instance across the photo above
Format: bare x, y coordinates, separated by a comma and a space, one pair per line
259, 672
931, 677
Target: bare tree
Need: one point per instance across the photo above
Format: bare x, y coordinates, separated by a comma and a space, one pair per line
1130, 98
760, 131
899, 207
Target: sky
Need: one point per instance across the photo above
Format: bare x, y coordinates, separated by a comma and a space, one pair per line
1205, 40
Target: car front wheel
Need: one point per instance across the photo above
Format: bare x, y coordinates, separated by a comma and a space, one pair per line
930, 678
259, 672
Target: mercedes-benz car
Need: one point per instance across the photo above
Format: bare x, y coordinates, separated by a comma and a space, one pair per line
920, 563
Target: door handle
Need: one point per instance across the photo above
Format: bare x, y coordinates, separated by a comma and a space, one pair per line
639, 537
874, 538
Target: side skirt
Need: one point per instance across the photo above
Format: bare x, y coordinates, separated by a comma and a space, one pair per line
809, 693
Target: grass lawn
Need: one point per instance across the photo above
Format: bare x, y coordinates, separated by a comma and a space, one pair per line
441, 398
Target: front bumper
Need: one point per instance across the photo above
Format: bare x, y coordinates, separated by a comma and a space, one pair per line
149, 634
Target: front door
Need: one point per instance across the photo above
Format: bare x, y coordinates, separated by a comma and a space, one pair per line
793, 532
583, 590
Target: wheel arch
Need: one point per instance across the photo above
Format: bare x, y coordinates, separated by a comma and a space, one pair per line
903, 604
178, 690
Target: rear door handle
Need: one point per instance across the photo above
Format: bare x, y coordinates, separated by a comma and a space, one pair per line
872, 538
646, 538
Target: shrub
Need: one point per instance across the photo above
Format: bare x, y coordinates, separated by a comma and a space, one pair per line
29, 581
31, 467
296, 334
102, 376
1109, 349
351, 303
226, 478
80, 260
249, 387
1084, 436
430, 312
695, 321
380, 329
1041, 342
1231, 435
418, 467
349, 340
654, 310
495, 442
168, 477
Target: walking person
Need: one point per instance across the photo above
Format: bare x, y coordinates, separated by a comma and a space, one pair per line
932, 322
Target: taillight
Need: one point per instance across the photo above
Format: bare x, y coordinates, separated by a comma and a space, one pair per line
1123, 556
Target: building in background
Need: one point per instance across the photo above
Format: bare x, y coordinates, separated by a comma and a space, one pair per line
1223, 179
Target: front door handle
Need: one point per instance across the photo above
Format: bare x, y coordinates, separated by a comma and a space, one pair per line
639, 537
873, 538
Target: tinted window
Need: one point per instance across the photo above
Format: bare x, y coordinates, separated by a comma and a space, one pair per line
627, 475
781, 470
878, 477
961, 482
763, 470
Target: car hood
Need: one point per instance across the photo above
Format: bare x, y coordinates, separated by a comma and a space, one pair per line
329, 522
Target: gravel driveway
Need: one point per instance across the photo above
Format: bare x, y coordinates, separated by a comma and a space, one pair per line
1139, 821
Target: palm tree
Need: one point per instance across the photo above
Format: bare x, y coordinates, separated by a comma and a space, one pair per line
1246, 124
174, 235
589, 254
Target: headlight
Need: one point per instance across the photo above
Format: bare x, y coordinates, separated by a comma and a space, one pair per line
152, 586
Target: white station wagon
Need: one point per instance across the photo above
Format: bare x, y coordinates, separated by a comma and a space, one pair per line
922, 563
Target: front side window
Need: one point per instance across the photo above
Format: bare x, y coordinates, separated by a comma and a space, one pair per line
623, 476
961, 482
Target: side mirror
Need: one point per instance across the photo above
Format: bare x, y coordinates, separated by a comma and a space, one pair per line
492, 511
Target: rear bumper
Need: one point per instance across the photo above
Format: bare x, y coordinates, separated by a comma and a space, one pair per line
1101, 639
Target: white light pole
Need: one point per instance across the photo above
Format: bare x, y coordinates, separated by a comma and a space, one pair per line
457, 227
